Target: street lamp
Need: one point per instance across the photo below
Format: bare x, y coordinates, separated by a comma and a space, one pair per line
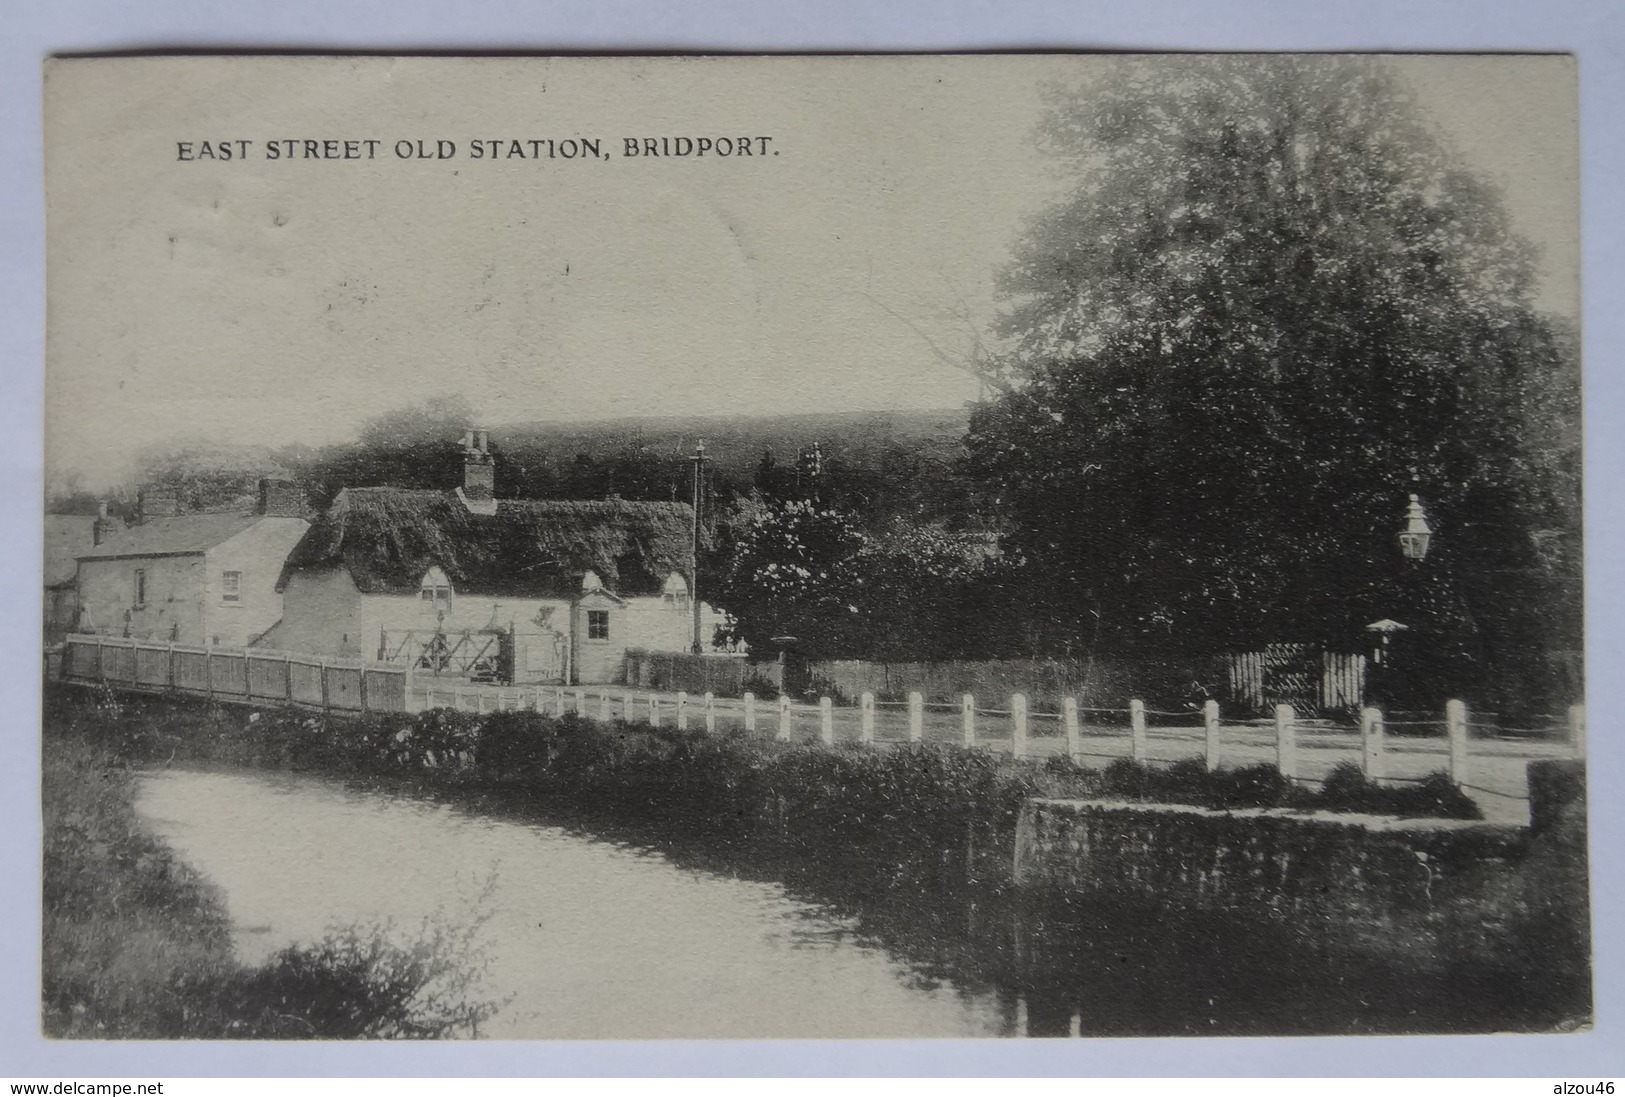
699, 460
784, 644
1414, 538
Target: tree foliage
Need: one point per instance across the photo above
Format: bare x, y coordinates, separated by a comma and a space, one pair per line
899, 591
1271, 304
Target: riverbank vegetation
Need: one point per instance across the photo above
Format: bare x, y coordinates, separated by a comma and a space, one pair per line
137, 946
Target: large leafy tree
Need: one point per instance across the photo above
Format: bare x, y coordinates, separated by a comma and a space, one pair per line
1270, 304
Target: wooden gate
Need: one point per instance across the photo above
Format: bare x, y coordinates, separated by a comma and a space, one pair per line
481, 655
1305, 676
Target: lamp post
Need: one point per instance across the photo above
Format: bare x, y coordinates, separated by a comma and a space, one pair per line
694, 585
1414, 538
784, 644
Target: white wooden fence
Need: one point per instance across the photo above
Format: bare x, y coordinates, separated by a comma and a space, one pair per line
1388, 749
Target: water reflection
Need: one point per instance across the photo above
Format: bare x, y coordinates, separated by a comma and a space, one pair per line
629, 932
590, 938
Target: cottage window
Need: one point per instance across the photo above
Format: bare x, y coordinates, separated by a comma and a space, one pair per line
231, 586
435, 590
598, 624
140, 586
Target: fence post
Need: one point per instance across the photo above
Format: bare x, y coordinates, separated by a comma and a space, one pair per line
1372, 761
784, 719
826, 721
208, 674
866, 717
208, 677
1455, 723
654, 711
558, 700
1577, 729
1286, 742
169, 676
1074, 735
606, 707
1210, 728
287, 673
682, 710
1018, 725
967, 720
581, 702
99, 675
750, 712
916, 717
626, 706
1136, 725
710, 713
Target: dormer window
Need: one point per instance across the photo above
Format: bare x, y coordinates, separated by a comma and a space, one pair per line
675, 591
435, 590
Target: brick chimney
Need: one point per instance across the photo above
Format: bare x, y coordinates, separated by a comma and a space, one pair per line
102, 526
280, 499
155, 502
479, 470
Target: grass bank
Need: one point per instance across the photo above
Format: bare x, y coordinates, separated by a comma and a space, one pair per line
137, 946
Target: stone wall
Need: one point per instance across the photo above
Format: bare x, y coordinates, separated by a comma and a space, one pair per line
1425, 893
1193, 858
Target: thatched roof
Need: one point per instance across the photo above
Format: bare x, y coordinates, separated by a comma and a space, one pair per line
389, 537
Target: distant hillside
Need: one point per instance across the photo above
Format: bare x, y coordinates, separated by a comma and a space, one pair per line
855, 439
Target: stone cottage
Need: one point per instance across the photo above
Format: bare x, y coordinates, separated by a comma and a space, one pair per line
66, 536
201, 579
462, 584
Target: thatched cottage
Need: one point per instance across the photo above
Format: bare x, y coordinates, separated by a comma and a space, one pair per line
463, 584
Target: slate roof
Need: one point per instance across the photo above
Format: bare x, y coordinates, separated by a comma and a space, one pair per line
181, 535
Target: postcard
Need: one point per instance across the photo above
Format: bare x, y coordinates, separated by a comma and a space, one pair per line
748, 547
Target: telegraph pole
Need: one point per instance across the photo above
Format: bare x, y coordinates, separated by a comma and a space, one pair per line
694, 568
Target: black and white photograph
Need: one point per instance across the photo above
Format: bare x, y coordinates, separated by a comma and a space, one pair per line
813, 547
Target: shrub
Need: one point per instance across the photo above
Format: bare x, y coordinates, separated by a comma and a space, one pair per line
1346, 789
1254, 786
354, 984
763, 689
1126, 777
1436, 796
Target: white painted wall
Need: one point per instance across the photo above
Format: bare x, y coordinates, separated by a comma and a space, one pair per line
258, 553
324, 614
320, 615
174, 605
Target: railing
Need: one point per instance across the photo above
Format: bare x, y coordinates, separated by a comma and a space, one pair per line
244, 676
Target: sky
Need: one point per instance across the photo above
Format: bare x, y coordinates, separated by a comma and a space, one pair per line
273, 301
